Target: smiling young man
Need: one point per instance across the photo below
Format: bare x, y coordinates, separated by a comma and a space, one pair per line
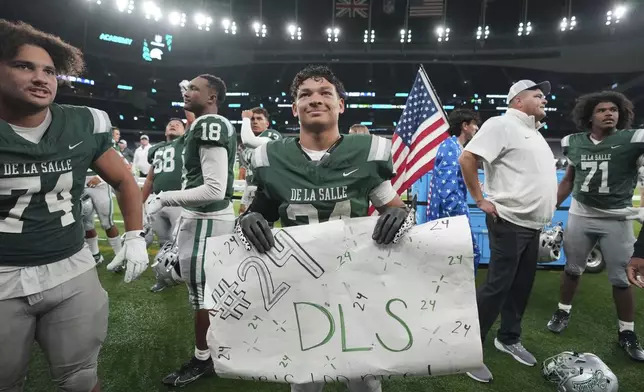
347, 171
49, 289
521, 188
601, 175
209, 158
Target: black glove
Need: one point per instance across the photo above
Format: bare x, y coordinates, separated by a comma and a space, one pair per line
390, 221
253, 228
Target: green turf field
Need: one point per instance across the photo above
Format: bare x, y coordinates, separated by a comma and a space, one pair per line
150, 335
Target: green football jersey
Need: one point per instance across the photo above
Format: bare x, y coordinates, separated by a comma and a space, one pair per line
318, 191
41, 184
247, 154
605, 173
167, 161
209, 130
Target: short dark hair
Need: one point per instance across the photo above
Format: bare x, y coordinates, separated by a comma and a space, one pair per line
68, 60
176, 119
317, 72
262, 111
218, 85
585, 106
460, 116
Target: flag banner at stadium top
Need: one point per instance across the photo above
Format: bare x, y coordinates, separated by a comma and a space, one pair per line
423, 8
352, 8
422, 127
328, 304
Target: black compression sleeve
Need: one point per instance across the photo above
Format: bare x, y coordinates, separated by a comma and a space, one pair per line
262, 204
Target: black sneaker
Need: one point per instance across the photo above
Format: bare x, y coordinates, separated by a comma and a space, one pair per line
559, 321
158, 286
628, 341
189, 372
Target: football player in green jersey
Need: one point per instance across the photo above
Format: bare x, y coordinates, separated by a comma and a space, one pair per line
209, 158
322, 176
166, 160
601, 175
254, 133
49, 289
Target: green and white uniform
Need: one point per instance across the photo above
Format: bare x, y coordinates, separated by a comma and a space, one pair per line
166, 159
211, 219
605, 177
48, 280
245, 158
318, 186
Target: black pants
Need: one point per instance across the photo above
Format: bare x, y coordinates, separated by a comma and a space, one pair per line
513, 265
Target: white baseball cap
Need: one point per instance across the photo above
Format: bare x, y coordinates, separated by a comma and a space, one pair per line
144, 137
523, 85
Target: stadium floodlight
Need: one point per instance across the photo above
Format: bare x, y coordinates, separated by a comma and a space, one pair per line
152, 11
568, 24
369, 36
615, 15
94, 1
482, 33
260, 29
125, 5
203, 22
230, 27
295, 32
332, 34
405, 35
524, 29
177, 18
442, 33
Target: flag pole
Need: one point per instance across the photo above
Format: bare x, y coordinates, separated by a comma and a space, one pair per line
422, 69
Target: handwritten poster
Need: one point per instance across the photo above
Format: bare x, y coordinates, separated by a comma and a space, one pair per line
328, 304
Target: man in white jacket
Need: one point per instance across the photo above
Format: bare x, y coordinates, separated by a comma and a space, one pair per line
521, 188
140, 163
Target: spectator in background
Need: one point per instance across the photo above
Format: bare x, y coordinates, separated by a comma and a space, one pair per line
447, 190
140, 162
116, 136
358, 129
521, 189
126, 152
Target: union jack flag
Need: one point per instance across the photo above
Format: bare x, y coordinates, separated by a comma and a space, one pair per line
352, 8
422, 128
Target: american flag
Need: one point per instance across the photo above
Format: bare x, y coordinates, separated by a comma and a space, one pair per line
421, 129
422, 8
352, 8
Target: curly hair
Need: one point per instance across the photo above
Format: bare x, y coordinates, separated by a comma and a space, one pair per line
218, 85
316, 72
68, 59
460, 116
585, 107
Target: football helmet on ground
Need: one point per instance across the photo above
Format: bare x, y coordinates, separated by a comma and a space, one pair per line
550, 242
579, 372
